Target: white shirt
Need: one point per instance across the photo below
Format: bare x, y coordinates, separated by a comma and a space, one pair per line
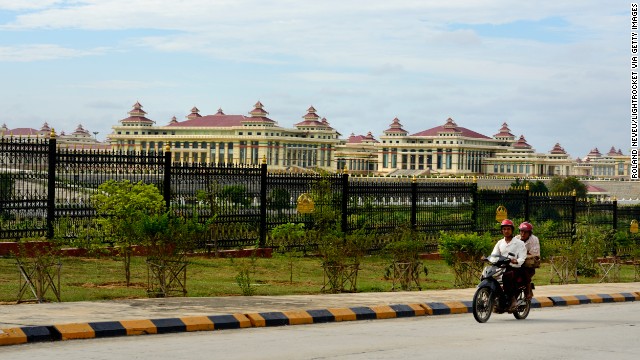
532, 244
515, 246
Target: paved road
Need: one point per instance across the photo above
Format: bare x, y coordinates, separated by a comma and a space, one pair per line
595, 331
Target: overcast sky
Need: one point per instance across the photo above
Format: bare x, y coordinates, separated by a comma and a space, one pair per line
556, 71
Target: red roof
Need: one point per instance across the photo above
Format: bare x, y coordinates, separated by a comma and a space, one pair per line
22, 132
594, 153
557, 149
194, 113
212, 121
326, 123
309, 123
357, 139
521, 143
449, 127
80, 131
504, 131
595, 189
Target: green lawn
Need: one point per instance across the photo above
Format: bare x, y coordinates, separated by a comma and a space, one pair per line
103, 278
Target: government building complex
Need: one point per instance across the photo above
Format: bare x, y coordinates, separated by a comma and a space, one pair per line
313, 144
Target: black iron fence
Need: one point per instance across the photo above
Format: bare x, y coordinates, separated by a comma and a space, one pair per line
41, 184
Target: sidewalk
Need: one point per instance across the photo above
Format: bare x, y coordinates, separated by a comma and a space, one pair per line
256, 310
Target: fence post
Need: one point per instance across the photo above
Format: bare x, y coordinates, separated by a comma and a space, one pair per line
51, 185
526, 202
414, 202
574, 207
263, 203
474, 199
345, 200
615, 214
166, 186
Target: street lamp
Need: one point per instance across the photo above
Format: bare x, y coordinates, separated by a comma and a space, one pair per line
95, 134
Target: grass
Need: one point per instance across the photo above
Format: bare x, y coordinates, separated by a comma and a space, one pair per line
88, 279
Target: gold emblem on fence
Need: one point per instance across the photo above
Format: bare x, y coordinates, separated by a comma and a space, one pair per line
634, 226
305, 204
501, 213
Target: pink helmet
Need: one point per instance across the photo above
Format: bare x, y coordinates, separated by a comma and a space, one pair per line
507, 222
525, 226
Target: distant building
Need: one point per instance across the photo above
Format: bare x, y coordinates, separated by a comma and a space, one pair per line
312, 144
237, 139
79, 139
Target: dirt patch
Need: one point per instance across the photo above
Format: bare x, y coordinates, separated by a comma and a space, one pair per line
284, 282
112, 285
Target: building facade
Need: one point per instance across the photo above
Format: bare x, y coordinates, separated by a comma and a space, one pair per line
312, 145
237, 139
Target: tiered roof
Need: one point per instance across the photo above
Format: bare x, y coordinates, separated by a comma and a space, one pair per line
594, 153
137, 115
395, 128
504, 133
325, 123
258, 115
310, 119
80, 131
557, 149
521, 143
195, 113
614, 152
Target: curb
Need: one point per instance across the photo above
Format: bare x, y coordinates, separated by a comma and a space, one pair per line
91, 330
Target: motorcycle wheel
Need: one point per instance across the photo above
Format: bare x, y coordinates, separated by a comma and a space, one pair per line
482, 304
524, 305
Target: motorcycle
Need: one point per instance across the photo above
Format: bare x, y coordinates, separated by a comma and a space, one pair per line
490, 296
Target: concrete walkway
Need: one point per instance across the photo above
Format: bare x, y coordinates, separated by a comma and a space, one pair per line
97, 311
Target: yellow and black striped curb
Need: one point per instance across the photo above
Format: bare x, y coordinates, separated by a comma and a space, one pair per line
31, 334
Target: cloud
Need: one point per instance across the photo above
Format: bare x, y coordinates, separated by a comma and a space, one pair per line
39, 52
362, 65
20, 5
124, 84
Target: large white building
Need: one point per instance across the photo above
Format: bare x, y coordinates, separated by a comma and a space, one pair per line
312, 144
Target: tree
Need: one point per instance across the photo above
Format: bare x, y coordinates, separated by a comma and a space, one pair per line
568, 184
237, 194
534, 187
288, 238
279, 199
120, 206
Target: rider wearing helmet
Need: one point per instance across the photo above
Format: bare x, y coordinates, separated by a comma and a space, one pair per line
508, 244
532, 243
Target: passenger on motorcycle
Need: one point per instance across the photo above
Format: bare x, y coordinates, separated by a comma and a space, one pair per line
532, 243
506, 246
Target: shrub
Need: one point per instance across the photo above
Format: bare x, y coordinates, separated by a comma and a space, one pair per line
470, 246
